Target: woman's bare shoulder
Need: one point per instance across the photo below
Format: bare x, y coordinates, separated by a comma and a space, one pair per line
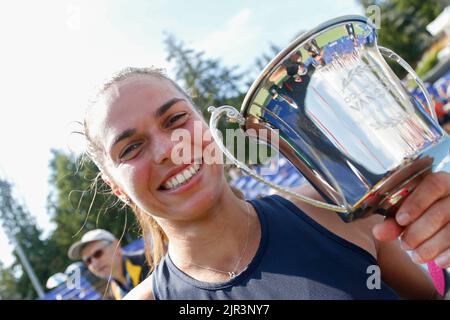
142, 291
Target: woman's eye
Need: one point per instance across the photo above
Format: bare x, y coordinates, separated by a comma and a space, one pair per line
130, 151
173, 120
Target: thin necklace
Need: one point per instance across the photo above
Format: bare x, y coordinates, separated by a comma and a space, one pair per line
232, 273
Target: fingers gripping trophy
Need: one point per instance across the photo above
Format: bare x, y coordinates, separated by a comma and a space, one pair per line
342, 117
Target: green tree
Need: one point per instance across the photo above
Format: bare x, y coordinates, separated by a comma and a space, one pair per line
403, 27
8, 284
18, 223
207, 80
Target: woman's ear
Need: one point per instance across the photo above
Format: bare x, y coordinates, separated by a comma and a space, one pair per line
114, 188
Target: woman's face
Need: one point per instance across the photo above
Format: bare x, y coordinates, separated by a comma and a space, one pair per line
135, 130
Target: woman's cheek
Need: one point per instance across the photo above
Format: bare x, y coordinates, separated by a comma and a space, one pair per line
137, 181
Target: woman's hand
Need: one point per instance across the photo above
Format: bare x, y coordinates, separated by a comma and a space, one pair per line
423, 221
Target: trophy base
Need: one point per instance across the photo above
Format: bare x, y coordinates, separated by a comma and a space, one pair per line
386, 196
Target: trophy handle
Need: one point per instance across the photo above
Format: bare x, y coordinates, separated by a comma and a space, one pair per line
234, 116
388, 53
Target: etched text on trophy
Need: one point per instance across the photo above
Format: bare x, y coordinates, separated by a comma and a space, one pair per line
372, 97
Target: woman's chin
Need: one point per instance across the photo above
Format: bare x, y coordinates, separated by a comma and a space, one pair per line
197, 203
200, 201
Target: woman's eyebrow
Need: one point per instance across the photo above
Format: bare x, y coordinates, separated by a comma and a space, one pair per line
123, 135
166, 106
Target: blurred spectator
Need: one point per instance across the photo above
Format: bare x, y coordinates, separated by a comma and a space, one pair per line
102, 254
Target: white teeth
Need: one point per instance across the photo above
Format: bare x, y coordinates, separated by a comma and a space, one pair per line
182, 177
187, 174
174, 182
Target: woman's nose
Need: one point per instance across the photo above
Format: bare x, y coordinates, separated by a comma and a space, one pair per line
162, 149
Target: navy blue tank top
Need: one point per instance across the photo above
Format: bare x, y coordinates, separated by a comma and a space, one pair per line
297, 258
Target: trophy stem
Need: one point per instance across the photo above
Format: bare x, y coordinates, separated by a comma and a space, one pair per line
390, 204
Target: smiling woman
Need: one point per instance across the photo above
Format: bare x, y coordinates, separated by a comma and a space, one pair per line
96, 152
121, 124
203, 240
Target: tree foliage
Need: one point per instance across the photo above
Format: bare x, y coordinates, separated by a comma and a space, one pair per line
8, 284
206, 80
79, 202
403, 27
18, 224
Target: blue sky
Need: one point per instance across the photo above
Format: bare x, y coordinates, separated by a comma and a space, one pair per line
54, 52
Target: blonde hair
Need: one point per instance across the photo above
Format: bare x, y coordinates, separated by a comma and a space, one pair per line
155, 240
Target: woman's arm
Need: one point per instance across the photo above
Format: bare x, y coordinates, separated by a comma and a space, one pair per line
142, 291
409, 280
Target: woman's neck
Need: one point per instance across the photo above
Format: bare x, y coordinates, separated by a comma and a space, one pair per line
218, 239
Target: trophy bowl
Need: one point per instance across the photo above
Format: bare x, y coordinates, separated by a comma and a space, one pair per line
343, 118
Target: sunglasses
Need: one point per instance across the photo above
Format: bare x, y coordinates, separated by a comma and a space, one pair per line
97, 254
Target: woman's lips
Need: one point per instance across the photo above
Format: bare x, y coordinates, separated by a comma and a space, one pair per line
173, 173
186, 185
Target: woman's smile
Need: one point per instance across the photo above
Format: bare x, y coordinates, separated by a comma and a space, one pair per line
183, 179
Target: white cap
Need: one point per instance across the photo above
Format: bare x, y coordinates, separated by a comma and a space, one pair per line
88, 237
